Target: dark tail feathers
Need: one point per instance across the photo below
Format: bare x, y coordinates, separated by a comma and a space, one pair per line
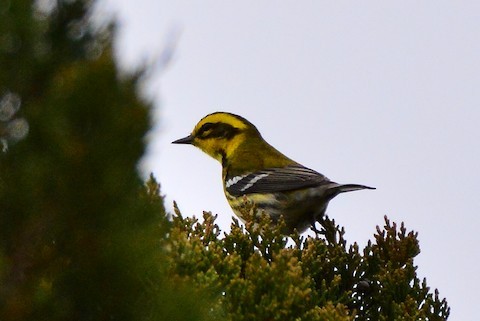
350, 188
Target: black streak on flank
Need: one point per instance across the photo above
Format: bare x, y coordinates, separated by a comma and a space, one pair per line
224, 159
217, 130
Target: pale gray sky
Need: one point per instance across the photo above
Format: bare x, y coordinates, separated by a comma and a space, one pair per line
378, 93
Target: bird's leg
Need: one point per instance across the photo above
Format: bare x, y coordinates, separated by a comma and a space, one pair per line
314, 227
328, 229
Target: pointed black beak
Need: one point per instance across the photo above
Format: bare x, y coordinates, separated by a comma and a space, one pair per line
184, 140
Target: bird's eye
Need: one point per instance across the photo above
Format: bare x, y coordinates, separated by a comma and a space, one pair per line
205, 129
216, 130
206, 126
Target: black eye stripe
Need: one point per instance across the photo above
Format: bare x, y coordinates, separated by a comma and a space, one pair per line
217, 130
205, 127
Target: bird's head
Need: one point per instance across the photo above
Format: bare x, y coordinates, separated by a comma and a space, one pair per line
220, 133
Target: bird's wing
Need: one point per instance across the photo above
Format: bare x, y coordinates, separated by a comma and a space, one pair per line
275, 180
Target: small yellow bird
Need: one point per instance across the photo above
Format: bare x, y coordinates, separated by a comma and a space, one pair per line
255, 171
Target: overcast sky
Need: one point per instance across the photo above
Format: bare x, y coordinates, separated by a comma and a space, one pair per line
385, 94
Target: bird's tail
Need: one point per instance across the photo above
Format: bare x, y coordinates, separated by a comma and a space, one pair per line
342, 188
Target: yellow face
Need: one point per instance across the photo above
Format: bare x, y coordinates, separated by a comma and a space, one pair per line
219, 134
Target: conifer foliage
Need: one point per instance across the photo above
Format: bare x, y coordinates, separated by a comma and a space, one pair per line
82, 237
79, 236
258, 274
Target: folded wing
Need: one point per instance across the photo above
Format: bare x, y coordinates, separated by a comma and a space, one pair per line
273, 180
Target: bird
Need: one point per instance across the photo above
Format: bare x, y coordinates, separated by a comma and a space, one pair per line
254, 171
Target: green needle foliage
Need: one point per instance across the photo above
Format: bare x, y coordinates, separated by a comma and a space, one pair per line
79, 235
256, 273
82, 237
